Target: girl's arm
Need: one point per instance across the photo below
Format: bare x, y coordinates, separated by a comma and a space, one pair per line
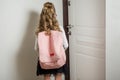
65, 42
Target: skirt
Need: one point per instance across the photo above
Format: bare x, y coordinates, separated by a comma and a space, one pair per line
41, 71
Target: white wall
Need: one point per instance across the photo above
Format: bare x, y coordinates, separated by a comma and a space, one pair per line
112, 39
18, 19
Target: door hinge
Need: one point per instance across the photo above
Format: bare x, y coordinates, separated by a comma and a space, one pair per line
69, 3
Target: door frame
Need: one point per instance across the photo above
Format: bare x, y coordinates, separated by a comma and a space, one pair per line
65, 24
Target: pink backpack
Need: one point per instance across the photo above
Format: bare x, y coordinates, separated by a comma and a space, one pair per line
51, 51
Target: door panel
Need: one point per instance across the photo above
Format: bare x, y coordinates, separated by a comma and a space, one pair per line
89, 67
87, 40
91, 12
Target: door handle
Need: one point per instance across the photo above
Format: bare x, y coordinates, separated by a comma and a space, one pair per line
69, 26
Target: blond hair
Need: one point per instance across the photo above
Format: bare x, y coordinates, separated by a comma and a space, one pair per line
48, 19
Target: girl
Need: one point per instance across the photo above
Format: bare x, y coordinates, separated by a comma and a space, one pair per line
49, 22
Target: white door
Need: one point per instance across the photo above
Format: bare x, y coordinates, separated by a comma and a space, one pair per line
87, 39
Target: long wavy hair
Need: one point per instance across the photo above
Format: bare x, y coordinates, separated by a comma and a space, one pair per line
48, 19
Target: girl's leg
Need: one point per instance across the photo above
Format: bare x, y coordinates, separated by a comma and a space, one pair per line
47, 77
58, 76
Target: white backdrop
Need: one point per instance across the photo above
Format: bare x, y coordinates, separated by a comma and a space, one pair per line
18, 19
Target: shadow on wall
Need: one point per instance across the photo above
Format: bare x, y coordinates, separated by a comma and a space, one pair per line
27, 57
